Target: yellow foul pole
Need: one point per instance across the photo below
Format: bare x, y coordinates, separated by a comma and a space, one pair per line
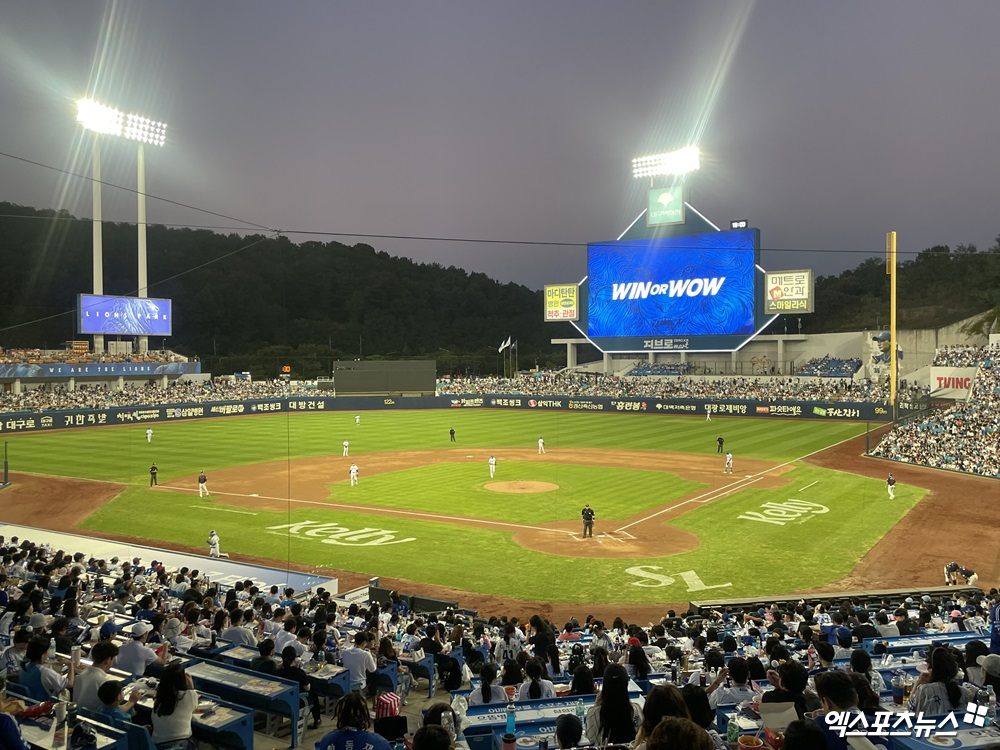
890, 269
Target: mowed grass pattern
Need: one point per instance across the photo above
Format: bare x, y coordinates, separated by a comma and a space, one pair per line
753, 558
460, 489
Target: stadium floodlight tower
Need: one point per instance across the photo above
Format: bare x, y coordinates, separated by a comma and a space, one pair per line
675, 163
104, 120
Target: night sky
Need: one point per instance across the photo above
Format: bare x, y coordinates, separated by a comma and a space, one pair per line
825, 124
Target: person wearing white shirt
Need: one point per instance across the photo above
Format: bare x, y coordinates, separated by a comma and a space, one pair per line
739, 674
173, 707
134, 655
535, 688
359, 661
87, 682
487, 692
285, 636
236, 633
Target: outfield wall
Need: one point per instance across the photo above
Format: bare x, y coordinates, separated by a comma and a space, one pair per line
18, 422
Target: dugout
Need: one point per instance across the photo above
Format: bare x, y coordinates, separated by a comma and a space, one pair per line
409, 377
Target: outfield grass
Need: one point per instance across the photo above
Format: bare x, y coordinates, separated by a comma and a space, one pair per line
752, 557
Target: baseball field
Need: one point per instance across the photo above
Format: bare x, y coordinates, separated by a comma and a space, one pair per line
425, 515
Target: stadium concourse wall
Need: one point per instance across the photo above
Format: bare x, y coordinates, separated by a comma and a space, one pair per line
20, 422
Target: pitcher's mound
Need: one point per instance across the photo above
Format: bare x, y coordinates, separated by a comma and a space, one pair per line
522, 487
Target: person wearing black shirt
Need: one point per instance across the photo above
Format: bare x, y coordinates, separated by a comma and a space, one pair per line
264, 663
152, 475
864, 628
289, 671
721, 441
588, 520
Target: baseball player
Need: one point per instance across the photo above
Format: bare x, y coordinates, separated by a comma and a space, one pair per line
729, 463
541, 446
588, 521
149, 434
354, 474
451, 434
202, 485
152, 475
213, 545
890, 486
493, 465
708, 413
357, 419
346, 444
720, 441
953, 570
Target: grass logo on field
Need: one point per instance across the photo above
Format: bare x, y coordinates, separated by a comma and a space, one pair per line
819, 411
333, 533
780, 514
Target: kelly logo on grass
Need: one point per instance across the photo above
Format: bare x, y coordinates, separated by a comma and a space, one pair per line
333, 533
790, 511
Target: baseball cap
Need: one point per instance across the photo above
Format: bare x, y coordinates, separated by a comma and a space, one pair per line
908, 600
140, 629
884, 336
956, 613
990, 664
37, 621
634, 642
926, 599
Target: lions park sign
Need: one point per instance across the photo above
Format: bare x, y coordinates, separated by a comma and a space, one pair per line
334, 533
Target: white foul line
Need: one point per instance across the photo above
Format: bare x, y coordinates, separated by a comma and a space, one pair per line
378, 511
223, 510
732, 488
808, 486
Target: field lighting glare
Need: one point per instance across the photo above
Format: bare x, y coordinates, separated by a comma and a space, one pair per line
677, 162
109, 121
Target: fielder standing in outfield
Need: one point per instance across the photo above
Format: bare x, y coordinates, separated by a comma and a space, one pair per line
541, 446
152, 475
493, 465
149, 434
202, 485
346, 444
729, 463
357, 419
354, 474
890, 486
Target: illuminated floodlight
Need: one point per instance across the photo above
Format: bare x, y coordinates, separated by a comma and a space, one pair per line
110, 121
679, 162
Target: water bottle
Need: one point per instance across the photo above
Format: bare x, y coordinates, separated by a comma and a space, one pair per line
52, 649
581, 712
511, 718
673, 672
732, 732
991, 712
982, 701
70, 715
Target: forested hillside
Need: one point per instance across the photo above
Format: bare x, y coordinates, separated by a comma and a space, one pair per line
322, 300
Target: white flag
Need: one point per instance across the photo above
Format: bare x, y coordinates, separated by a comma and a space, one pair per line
504, 345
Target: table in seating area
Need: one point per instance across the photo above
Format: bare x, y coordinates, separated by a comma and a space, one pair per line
229, 725
44, 733
248, 688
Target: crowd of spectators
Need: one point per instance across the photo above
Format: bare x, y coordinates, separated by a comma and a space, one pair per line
967, 356
962, 438
645, 369
704, 660
50, 356
722, 388
830, 367
178, 392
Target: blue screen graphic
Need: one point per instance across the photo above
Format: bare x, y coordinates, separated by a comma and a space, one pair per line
694, 285
124, 316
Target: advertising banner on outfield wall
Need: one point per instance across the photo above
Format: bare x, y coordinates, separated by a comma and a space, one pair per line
952, 382
15, 422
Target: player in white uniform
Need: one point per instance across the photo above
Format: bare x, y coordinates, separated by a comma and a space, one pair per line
541, 446
149, 434
213, 545
493, 466
354, 474
708, 413
357, 419
729, 463
345, 447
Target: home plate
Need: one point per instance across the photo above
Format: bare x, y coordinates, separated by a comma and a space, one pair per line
470, 456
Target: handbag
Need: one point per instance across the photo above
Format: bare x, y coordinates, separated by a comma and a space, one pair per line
417, 655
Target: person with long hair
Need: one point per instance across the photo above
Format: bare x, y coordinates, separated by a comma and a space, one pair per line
973, 670
173, 707
661, 702
511, 674
868, 700
552, 662
601, 659
613, 719
861, 663
41, 681
637, 664
289, 670
702, 713
487, 691
535, 688
353, 721
543, 635
583, 681
676, 733
937, 690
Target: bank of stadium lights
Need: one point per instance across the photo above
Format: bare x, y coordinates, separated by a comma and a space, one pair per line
109, 121
679, 162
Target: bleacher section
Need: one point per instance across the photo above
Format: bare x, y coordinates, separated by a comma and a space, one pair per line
829, 367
